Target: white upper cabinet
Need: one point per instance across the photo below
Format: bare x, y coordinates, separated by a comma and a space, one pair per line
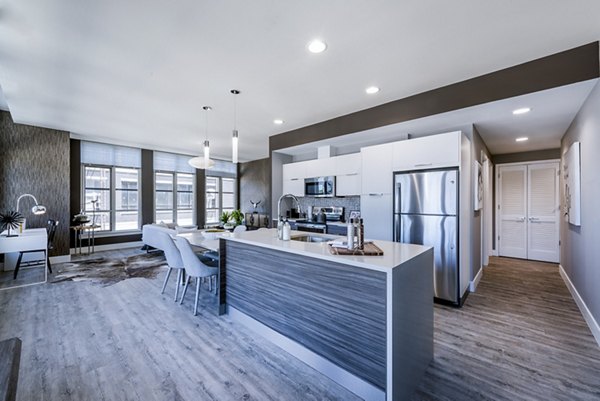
377, 172
321, 167
293, 178
347, 172
433, 151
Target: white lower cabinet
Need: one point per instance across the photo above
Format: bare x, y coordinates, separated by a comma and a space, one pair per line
377, 213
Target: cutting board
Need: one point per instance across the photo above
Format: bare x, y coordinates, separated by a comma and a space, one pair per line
370, 250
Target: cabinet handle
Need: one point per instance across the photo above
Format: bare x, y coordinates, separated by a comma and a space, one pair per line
375, 194
533, 219
352, 174
423, 164
294, 179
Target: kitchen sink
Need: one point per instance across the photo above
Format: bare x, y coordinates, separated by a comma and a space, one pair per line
310, 238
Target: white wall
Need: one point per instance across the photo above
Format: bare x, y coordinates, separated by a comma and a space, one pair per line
580, 246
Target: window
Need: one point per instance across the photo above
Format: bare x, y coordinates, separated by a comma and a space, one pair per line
111, 197
111, 185
220, 197
174, 197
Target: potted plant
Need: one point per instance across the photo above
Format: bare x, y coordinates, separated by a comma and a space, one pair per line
237, 216
225, 217
10, 220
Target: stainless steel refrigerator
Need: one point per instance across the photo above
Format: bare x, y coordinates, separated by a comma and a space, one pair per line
426, 213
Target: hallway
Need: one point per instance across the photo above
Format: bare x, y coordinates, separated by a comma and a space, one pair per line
519, 337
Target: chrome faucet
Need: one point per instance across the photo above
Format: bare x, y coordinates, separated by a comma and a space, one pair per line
279, 204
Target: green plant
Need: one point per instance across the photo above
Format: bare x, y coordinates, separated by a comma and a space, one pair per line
10, 220
225, 216
237, 216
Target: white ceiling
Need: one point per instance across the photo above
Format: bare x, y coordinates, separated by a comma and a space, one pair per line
138, 72
552, 111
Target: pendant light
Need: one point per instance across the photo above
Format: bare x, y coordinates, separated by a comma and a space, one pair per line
234, 138
206, 144
203, 162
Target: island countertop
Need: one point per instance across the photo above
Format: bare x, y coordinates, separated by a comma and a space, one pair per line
394, 253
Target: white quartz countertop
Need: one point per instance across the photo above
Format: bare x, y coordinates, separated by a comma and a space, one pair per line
394, 253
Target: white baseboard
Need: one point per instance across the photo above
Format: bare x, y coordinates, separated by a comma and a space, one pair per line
587, 315
475, 282
494, 252
60, 259
109, 247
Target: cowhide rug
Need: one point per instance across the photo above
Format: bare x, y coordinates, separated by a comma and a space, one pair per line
106, 271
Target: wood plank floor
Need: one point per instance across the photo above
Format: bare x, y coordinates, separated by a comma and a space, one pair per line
520, 337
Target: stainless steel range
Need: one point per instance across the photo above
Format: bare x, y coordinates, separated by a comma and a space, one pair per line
320, 217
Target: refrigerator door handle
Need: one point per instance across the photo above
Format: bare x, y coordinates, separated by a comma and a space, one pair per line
397, 228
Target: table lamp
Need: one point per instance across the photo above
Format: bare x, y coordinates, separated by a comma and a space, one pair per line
37, 209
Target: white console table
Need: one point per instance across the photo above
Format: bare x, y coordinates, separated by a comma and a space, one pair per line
28, 240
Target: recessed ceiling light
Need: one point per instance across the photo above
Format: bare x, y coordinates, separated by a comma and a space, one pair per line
521, 111
522, 139
317, 46
372, 89
278, 121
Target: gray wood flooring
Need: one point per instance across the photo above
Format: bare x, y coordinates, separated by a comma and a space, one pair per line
520, 337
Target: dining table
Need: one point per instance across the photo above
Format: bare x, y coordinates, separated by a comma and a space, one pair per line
200, 239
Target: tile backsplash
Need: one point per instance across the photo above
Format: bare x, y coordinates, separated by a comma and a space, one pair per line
349, 203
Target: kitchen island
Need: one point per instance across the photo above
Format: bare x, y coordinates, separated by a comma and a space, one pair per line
364, 321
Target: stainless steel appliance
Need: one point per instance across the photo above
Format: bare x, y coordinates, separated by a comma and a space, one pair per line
319, 186
329, 213
426, 213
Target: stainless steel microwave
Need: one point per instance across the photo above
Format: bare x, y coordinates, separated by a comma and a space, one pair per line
319, 186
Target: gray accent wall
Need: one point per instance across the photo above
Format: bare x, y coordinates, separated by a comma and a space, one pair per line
254, 179
523, 157
580, 250
36, 160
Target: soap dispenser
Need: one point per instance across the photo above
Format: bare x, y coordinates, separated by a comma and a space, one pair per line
287, 231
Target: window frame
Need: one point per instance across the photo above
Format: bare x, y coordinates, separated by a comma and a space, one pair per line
175, 192
112, 191
219, 193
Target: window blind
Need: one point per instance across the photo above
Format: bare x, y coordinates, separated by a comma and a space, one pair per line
222, 166
110, 155
172, 162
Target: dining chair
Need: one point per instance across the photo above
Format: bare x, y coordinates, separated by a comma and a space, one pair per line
240, 229
51, 230
195, 267
173, 257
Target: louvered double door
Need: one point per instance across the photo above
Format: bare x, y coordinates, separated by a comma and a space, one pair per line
529, 211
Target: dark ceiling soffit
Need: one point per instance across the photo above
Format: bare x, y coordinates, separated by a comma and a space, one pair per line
575, 65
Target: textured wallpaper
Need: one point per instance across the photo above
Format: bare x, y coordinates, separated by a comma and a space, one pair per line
255, 179
36, 160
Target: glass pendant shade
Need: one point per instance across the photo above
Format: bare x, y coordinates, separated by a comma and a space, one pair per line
206, 155
234, 147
